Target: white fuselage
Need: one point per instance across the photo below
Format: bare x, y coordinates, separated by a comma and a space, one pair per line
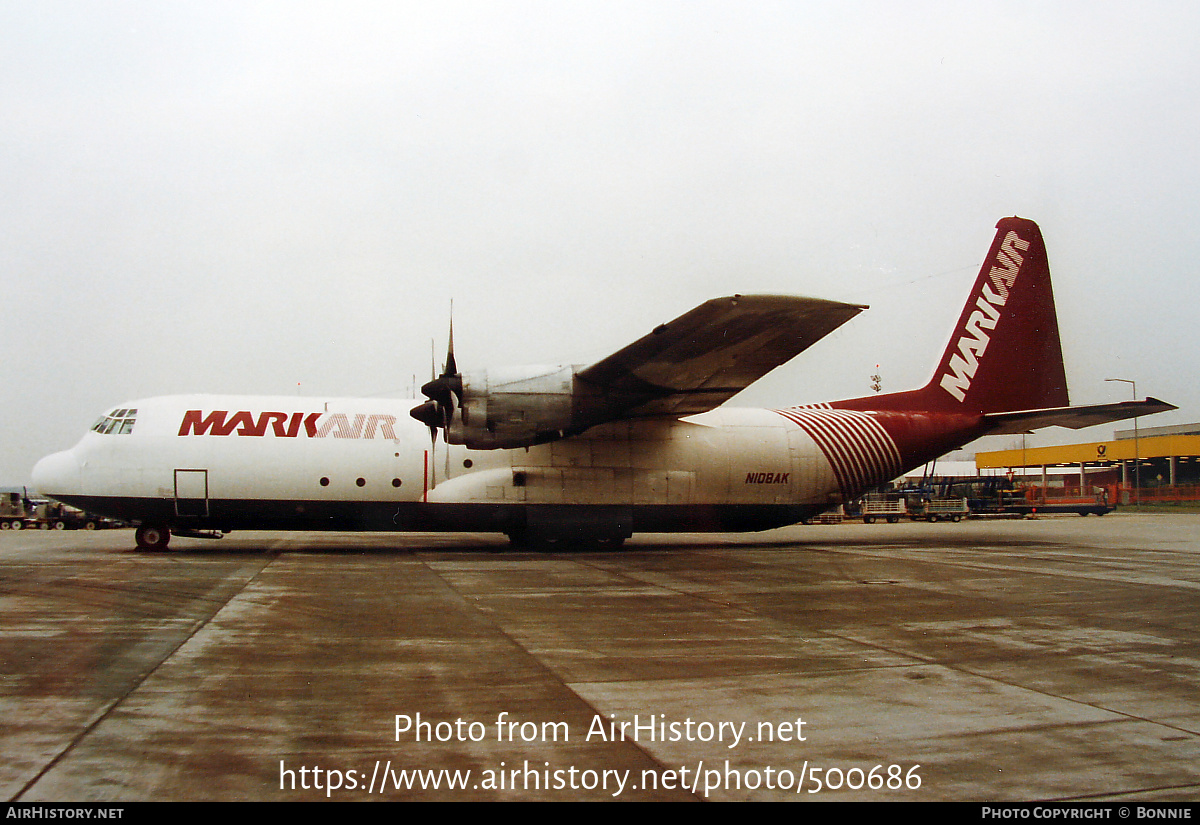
304, 462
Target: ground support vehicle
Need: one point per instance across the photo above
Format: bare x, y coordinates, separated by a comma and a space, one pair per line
943, 509
14, 510
20, 513
835, 516
883, 506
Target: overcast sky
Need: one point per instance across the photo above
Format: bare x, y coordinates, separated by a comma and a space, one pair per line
284, 197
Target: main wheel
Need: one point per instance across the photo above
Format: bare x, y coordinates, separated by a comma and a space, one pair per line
152, 537
523, 538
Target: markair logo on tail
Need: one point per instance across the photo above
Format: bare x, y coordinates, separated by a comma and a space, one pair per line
994, 295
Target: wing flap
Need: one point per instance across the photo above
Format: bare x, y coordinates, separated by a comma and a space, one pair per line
1075, 418
707, 355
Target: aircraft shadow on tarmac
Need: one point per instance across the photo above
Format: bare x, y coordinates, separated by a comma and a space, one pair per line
407, 545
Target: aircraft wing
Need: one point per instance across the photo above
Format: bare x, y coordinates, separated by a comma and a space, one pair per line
707, 355
1076, 418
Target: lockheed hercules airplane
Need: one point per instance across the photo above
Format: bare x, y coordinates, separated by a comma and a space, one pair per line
638, 442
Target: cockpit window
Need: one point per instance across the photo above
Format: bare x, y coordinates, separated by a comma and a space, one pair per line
118, 421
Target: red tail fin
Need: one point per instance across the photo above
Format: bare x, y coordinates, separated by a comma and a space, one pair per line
1005, 352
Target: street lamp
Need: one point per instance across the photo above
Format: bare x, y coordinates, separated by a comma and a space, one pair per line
1137, 464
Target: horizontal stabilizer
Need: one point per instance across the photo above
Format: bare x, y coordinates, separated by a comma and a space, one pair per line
1076, 418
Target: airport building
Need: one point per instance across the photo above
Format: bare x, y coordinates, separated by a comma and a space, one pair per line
1145, 464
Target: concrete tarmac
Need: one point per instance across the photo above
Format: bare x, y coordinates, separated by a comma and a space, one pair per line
1046, 659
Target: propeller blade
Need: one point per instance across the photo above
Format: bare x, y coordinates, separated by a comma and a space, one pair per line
445, 392
451, 368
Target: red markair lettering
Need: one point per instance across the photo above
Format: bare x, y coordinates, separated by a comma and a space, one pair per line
288, 425
993, 295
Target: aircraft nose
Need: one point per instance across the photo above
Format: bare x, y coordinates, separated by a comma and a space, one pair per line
57, 473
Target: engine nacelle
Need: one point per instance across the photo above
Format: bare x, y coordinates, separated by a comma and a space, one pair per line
517, 407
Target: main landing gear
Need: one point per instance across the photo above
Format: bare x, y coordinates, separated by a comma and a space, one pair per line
525, 539
152, 537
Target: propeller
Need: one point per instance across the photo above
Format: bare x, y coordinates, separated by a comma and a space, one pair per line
445, 394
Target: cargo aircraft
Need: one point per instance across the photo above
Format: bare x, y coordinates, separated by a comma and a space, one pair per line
638, 442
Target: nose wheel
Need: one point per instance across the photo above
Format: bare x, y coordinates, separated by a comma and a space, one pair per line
152, 537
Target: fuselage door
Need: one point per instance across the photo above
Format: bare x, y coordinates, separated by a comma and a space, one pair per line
191, 493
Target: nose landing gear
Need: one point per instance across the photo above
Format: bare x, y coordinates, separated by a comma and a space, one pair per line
152, 537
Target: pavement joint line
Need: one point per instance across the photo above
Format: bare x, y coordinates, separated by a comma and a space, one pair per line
105, 711
473, 604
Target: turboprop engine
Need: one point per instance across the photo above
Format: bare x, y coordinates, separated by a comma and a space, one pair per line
504, 408
510, 406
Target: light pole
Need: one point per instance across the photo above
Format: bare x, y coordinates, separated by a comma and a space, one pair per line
1137, 463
